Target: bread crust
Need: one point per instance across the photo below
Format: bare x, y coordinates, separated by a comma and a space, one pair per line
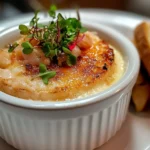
142, 41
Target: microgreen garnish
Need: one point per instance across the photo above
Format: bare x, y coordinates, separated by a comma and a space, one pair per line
12, 47
83, 29
27, 48
71, 60
52, 11
57, 39
45, 74
78, 15
66, 50
34, 20
23, 29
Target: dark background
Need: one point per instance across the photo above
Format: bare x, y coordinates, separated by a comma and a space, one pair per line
12, 8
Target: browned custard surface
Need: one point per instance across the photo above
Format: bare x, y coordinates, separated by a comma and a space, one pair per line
97, 68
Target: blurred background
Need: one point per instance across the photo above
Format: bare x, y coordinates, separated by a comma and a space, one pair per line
11, 8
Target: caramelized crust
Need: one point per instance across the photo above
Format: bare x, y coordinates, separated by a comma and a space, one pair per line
93, 67
93, 63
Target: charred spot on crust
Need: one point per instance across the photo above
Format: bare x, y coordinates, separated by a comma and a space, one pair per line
28, 67
105, 67
97, 76
109, 56
31, 69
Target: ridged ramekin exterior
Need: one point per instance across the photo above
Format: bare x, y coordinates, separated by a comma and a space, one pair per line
82, 128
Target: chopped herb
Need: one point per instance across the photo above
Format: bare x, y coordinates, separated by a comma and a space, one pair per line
12, 47
44, 74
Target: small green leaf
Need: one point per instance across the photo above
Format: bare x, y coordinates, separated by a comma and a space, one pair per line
23, 33
44, 74
27, 51
70, 38
46, 48
74, 23
12, 47
52, 26
39, 25
50, 54
71, 31
27, 48
60, 17
23, 29
52, 11
30, 36
45, 80
42, 68
71, 60
46, 35
26, 45
83, 29
49, 74
66, 50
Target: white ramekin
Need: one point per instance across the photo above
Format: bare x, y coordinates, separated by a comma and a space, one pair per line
82, 124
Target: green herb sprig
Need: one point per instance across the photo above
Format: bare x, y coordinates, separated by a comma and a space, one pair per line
45, 74
56, 39
12, 47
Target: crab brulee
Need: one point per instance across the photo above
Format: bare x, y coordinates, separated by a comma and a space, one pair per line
60, 60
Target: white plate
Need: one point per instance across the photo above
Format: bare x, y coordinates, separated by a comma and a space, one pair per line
135, 133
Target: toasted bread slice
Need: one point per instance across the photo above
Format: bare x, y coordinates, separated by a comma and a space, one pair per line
140, 80
140, 93
140, 96
142, 41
